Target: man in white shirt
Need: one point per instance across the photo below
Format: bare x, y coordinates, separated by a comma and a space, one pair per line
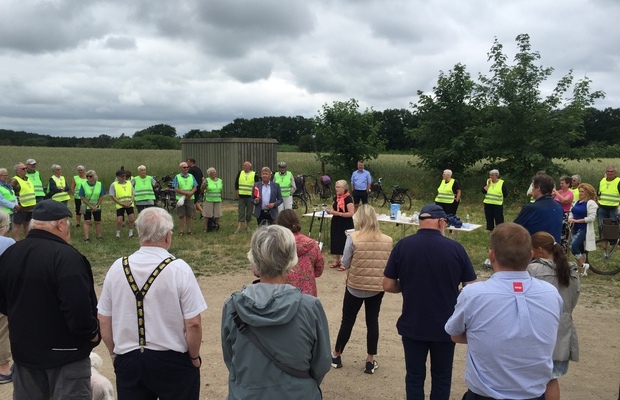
151, 325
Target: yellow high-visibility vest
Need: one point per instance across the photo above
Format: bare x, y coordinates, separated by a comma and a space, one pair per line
26, 196
123, 192
246, 183
609, 195
494, 193
444, 192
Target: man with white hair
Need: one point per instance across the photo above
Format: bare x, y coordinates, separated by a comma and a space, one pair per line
25, 192
47, 291
448, 193
149, 313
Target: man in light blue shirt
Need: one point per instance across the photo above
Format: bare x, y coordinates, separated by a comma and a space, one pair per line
361, 182
509, 323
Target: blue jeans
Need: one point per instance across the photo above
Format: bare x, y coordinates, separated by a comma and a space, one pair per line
576, 244
442, 355
602, 213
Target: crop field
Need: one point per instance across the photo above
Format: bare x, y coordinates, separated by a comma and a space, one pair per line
223, 251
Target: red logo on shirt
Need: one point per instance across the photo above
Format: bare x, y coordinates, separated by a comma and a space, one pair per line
517, 287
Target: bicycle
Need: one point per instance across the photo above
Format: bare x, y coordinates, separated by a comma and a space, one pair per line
378, 198
165, 197
301, 195
322, 187
602, 261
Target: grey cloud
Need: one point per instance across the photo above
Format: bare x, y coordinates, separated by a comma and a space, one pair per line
35, 27
120, 43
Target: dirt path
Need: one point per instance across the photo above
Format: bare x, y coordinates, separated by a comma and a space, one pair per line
595, 377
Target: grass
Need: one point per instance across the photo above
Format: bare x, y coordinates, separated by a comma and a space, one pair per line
222, 252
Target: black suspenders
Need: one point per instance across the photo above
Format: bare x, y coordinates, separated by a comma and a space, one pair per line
141, 293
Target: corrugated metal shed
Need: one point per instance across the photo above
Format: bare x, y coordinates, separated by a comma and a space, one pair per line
227, 155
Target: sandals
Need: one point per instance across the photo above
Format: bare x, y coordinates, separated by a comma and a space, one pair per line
341, 268
335, 265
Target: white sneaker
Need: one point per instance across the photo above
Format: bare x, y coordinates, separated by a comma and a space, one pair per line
586, 267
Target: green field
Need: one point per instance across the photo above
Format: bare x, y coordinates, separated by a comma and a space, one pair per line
223, 251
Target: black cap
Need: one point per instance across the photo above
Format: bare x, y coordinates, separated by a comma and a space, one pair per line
50, 210
432, 211
120, 173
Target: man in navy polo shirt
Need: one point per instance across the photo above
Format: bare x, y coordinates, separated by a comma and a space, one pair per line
544, 214
428, 269
509, 322
360, 183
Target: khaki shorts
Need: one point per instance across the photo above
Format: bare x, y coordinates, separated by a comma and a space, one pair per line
187, 209
211, 209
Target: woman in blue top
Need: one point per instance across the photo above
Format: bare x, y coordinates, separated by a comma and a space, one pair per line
582, 217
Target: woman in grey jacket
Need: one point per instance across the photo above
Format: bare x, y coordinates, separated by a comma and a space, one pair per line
550, 264
291, 327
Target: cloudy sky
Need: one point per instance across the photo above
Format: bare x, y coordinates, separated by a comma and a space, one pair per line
91, 67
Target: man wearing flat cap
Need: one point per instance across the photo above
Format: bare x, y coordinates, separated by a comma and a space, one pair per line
427, 268
47, 292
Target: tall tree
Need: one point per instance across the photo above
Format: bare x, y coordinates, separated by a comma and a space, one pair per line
523, 131
448, 134
160, 130
345, 135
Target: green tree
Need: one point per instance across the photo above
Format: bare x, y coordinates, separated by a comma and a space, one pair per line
523, 132
161, 130
448, 133
345, 135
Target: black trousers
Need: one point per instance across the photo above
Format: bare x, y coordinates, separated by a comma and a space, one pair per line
350, 307
360, 195
149, 375
494, 215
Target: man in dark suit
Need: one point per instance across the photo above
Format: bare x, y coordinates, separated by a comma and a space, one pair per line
266, 196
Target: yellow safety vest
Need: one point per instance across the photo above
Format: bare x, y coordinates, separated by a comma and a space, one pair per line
26, 196
36, 181
285, 181
494, 193
92, 193
122, 192
214, 191
609, 195
60, 183
246, 183
78, 184
8, 195
575, 195
185, 183
444, 192
144, 188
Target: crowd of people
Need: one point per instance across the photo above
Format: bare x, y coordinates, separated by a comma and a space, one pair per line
275, 334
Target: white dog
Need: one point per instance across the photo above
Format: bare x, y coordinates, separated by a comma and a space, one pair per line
102, 387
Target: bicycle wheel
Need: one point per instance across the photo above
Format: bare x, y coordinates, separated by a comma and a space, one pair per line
326, 194
404, 200
300, 204
377, 199
604, 261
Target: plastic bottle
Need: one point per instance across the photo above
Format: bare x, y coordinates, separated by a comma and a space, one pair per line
467, 219
416, 217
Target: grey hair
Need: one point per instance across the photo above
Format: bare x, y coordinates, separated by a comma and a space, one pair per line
494, 172
611, 167
81, 167
5, 222
141, 167
3, 170
265, 169
342, 183
273, 252
153, 225
93, 173
577, 177
447, 172
182, 162
211, 169
36, 224
16, 166
55, 167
